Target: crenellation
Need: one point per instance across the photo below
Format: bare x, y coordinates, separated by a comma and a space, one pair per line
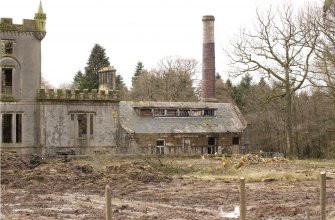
94, 94
60, 94
51, 93
76, 94
68, 94
85, 94
42, 93
6, 24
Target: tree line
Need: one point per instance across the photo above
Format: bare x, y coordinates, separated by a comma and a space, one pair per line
286, 91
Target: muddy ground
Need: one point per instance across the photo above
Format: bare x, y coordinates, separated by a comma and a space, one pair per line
34, 188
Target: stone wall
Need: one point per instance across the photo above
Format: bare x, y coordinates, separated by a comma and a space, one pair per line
60, 127
146, 143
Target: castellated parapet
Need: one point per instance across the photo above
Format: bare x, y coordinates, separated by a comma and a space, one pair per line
28, 26
76, 95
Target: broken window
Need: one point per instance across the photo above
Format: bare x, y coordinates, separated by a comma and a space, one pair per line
145, 112
82, 125
91, 124
18, 128
171, 112
176, 112
209, 112
7, 128
159, 112
184, 112
236, 140
7, 46
7, 80
197, 113
160, 146
212, 148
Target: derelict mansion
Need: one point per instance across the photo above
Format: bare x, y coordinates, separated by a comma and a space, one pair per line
48, 121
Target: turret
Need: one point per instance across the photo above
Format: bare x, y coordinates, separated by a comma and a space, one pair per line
40, 19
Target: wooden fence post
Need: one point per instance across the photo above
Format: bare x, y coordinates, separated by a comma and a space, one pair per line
108, 203
323, 194
242, 199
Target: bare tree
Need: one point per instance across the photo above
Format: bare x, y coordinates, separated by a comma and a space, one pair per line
45, 84
324, 71
171, 81
280, 48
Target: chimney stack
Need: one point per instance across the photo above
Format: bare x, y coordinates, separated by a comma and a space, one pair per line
107, 78
208, 60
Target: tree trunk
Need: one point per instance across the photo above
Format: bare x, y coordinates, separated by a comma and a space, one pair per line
289, 135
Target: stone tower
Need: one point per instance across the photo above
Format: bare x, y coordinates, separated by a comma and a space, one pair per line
208, 60
20, 68
20, 60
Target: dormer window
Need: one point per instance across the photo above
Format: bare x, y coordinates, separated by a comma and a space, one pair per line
7, 47
159, 112
175, 112
209, 112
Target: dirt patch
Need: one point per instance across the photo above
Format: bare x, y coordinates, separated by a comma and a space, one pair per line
75, 190
139, 172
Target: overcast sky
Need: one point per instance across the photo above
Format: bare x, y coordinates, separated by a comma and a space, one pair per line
132, 30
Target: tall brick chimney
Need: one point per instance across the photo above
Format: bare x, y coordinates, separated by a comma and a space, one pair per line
208, 60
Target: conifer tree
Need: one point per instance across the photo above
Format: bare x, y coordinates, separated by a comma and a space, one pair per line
138, 70
90, 79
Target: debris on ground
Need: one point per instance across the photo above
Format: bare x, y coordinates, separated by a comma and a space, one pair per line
254, 159
15, 161
33, 188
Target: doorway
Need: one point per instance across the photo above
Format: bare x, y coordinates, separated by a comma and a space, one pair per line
212, 147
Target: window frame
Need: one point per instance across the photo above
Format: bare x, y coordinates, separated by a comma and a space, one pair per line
160, 148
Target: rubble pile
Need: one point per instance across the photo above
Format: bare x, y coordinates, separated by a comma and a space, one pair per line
29, 173
15, 161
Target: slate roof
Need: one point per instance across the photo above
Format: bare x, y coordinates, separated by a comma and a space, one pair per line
228, 119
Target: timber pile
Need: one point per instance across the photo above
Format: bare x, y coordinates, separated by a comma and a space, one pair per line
255, 159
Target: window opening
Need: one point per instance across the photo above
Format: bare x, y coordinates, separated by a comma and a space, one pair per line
160, 146
7, 128
145, 112
91, 124
72, 117
197, 113
184, 113
209, 112
171, 112
236, 140
7, 80
82, 125
18, 128
212, 148
159, 112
